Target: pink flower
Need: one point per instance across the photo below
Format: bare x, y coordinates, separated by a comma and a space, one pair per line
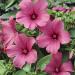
9, 31
1, 40
53, 34
58, 8
62, 9
22, 51
73, 9
32, 14
1, 36
55, 67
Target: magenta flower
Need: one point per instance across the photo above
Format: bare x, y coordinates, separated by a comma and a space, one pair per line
55, 67
58, 8
73, 9
53, 34
8, 28
1, 36
33, 14
8, 31
22, 51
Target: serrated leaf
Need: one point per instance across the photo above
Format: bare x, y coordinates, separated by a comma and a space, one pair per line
43, 62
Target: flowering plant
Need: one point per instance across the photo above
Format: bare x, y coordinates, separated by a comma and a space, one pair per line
38, 40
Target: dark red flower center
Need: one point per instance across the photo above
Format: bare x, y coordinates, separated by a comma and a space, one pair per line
54, 36
52, 17
25, 51
33, 16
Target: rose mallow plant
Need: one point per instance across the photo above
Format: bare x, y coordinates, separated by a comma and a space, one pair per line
33, 14
55, 67
22, 51
36, 41
53, 34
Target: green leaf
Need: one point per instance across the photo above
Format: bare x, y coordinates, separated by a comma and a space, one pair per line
73, 73
10, 3
19, 27
41, 73
7, 15
51, 11
27, 68
72, 12
30, 32
65, 57
20, 72
2, 67
72, 32
43, 62
1, 5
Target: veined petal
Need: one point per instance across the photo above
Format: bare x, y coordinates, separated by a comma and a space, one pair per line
65, 37
53, 47
19, 61
43, 40
31, 57
67, 67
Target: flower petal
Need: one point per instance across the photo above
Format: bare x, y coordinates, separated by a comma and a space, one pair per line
31, 57
49, 68
58, 8
67, 67
53, 47
12, 51
64, 73
65, 37
19, 61
47, 29
24, 3
57, 25
41, 4
56, 59
55, 62
42, 40
21, 40
1, 36
30, 42
32, 26
23, 19
12, 23
55, 74
43, 19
